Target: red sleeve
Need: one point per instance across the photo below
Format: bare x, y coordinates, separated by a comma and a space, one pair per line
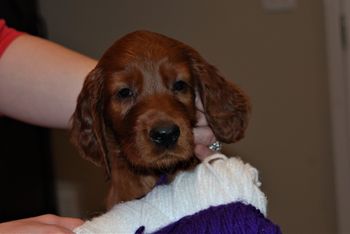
7, 35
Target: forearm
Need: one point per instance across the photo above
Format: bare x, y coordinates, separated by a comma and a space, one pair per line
40, 81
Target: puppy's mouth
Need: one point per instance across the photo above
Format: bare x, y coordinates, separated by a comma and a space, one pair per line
167, 164
158, 152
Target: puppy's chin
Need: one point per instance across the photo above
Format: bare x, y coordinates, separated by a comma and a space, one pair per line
167, 164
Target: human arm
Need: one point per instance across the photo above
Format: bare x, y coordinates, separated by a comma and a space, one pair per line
40, 81
41, 224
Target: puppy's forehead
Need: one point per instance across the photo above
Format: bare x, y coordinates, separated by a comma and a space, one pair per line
143, 48
158, 58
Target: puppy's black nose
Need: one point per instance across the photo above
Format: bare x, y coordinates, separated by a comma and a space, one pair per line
165, 136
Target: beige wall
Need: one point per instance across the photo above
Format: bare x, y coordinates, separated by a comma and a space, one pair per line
278, 58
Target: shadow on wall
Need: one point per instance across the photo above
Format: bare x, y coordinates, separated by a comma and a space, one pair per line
81, 186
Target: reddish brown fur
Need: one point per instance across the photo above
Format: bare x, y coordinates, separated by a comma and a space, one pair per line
114, 131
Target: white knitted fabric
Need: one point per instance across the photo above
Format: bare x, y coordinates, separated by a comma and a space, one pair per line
218, 180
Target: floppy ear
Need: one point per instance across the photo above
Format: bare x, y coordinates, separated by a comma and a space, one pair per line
226, 107
88, 127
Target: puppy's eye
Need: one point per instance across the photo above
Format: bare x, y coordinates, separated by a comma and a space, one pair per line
125, 93
180, 85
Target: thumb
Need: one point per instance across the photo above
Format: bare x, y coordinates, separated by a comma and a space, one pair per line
202, 152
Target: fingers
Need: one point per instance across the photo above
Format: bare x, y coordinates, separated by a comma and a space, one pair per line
202, 152
203, 135
65, 222
41, 224
70, 223
199, 103
201, 119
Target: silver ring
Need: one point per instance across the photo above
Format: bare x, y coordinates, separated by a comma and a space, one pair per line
216, 146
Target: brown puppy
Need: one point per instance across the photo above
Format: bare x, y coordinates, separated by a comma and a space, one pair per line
136, 111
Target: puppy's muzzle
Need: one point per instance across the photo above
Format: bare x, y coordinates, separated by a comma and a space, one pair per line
165, 136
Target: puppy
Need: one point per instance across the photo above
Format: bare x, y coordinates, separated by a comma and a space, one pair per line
136, 111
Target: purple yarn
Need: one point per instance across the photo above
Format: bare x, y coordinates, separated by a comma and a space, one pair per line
233, 218
163, 179
140, 230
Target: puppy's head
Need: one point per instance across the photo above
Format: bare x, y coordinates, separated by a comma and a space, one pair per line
138, 104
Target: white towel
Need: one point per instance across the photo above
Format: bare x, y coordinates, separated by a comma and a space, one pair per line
218, 180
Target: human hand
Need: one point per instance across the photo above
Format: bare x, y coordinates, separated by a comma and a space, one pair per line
41, 224
203, 135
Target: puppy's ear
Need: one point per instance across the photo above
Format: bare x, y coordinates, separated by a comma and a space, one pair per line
88, 127
226, 107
